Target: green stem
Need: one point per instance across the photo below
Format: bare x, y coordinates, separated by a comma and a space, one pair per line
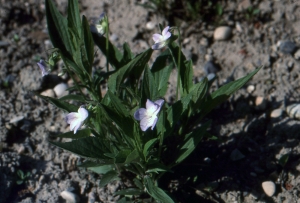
178, 64
107, 45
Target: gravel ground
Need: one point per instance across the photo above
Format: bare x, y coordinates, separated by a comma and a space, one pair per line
255, 127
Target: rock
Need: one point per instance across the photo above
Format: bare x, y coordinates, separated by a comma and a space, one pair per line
16, 119
211, 67
222, 33
250, 89
236, 155
276, 113
204, 42
150, 25
60, 89
297, 54
69, 197
48, 93
269, 188
4, 44
287, 47
260, 103
293, 111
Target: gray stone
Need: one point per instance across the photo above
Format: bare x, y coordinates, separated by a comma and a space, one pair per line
287, 47
236, 155
211, 67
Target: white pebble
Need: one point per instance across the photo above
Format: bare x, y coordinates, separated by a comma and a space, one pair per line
276, 113
293, 111
60, 89
69, 197
269, 188
150, 25
222, 33
48, 93
250, 89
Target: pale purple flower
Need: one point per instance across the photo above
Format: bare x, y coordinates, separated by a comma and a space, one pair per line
99, 26
161, 40
148, 116
43, 67
76, 119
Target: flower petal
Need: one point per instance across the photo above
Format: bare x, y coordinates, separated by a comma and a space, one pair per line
157, 38
167, 35
74, 124
147, 122
154, 122
83, 113
140, 114
165, 31
76, 127
71, 117
158, 45
151, 107
42, 65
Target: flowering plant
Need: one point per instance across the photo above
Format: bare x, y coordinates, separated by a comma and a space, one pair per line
112, 130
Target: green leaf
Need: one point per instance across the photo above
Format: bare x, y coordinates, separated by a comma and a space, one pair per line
132, 157
186, 68
60, 104
74, 97
191, 142
101, 169
58, 29
79, 134
224, 92
161, 78
20, 173
19, 182
284, 159
108, 177
128, 55
122, 156
134, 67
148, 146
155, 192
88, 44
129, 191
90, 147
149, 88
198, 93
114, 55
74, 22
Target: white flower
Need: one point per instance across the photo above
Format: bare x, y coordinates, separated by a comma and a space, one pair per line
99, 27
161, 40
148, 116
43, 68
76, 119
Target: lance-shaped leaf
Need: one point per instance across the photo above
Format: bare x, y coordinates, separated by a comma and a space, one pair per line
113, 54
74, 22
135, 67
88, 51
109, 177
58, 29
149, 90
155, 192
224, 92
89, 147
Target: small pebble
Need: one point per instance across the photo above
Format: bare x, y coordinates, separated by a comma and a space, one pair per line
276, 113
204, 42
211, 67
222, 33
21, 149
69, 197
297, 54
60, 89
236, 155
269, 188
287, 47
207, 160
150, 25
260, 103
48, 93
250, 89
293, 111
